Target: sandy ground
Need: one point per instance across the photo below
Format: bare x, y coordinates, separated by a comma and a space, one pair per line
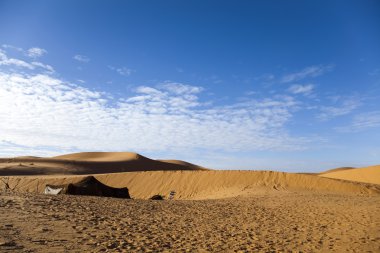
264, 222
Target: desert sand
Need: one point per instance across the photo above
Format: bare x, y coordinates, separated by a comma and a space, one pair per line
212, 211
264, 222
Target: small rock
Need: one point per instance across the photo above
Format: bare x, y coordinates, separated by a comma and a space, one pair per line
7, 244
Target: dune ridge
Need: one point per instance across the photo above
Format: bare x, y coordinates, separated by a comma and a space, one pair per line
101, 156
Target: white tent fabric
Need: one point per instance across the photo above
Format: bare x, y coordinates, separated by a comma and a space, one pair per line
52, 191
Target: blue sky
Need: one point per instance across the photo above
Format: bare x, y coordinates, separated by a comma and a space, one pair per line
281, 85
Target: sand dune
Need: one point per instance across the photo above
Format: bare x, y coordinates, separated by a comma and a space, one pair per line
146, 177
336, 169
367, 175
204, 184
88, 163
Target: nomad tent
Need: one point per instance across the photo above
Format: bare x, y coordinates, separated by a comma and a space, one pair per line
88, 186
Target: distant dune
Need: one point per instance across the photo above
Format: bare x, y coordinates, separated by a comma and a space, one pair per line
366, 175
88, 163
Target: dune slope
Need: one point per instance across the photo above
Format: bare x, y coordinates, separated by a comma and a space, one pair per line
336, 169
366, 175
204, 184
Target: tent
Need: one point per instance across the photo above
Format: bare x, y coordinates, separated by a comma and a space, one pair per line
88, 186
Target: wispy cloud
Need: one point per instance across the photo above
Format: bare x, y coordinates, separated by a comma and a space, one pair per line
35, 52
362, 121
81, 58
12, 62
39, 110
343, 106
124, 71
44, 66
6, 46
312, 71
6, 61
305, 89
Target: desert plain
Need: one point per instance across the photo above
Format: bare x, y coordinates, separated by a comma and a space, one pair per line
211, 211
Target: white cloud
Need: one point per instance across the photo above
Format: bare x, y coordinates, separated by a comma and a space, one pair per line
81, 58
44, 66
38, 110
344, 106
362, 121
46, 114
301, 89
179, 88
5, 61
35, 52
12, 62
312, 71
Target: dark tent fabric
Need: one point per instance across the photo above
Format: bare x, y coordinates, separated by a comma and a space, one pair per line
88, 186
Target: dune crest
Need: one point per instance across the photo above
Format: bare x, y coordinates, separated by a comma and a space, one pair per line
101, 156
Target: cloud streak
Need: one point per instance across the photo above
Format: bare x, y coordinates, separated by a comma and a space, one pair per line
306, 89
362, 122
344, 107
309, 72
12, 62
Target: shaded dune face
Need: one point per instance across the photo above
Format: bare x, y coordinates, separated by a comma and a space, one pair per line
88, 163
